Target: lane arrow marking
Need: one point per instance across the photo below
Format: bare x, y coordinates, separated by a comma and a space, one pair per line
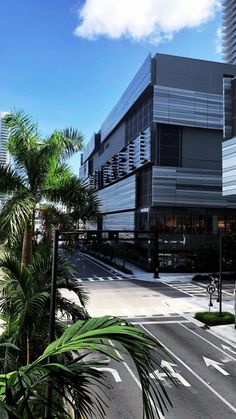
169, 366
113, 372
228, 348
160, 375
210, 362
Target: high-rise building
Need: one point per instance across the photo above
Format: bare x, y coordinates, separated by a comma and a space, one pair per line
157, 160
4, 154
229, 31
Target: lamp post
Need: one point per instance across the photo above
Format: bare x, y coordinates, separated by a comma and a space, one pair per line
52, 312
220, 227
156, 254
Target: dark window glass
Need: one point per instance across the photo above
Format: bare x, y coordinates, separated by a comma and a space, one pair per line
169, 145
139, 119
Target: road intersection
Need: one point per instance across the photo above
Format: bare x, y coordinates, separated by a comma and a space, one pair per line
202, 365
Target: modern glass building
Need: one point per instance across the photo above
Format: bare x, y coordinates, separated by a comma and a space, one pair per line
229, 31
4, 154
157, 160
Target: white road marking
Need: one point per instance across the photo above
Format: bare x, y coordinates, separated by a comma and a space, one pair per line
228, 349
161, 416
233, 408
169, 285
211, 363
112, 371
160, 375
110, 278
100, 278
161, 321
209, 342
174, 373
91, 279
92, 260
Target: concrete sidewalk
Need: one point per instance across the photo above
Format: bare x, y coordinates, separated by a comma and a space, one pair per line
140, 274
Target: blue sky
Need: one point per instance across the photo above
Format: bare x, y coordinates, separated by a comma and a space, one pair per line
67, 62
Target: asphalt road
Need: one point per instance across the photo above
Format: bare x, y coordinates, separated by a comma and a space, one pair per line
201, 392
89, 270
204, 366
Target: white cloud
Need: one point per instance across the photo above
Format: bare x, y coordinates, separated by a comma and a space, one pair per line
151, 20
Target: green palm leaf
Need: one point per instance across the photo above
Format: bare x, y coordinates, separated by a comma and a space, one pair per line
95, 334
15, 214
9, 180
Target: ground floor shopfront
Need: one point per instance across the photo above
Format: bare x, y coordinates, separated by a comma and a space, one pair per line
187, 237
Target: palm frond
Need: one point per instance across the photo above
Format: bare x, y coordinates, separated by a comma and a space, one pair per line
81, 201
67, 141
23, 137
70, 310
16, 213
94, 335
10, 181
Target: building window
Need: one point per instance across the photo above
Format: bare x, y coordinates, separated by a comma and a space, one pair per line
139, 119
170, 146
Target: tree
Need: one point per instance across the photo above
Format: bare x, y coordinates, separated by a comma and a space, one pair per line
25, 301
78, 381
40, 173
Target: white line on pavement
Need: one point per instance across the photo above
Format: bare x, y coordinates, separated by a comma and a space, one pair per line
91, 279
161, 416
168, 284
209, 342
161, 321
233, 408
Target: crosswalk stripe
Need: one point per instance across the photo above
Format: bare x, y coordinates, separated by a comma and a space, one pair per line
91, 279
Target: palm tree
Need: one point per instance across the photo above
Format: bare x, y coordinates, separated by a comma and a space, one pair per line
40, 172
25, 301
78, 381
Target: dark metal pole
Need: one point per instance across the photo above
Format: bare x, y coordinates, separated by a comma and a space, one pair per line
220, 274
52, 312
156, 255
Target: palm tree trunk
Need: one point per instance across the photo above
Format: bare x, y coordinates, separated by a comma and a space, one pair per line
27, 348
26, 256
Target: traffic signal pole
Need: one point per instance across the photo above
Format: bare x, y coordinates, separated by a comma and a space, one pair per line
48, 414
156, 255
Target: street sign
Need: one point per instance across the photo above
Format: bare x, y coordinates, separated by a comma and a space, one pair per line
210, 288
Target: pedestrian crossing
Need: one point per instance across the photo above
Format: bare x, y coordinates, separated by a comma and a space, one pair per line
102, 278
189, 289
199, 290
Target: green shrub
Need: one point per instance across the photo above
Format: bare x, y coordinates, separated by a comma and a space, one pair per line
201, 278
215, 318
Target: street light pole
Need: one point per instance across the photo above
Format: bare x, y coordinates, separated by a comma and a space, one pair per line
52, 312
220, 274
156, 254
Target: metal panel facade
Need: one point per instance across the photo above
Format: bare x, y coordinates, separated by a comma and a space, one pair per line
187, 187
89, 148
118, 197
229, 167
121, 221
131, 94
187, 107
